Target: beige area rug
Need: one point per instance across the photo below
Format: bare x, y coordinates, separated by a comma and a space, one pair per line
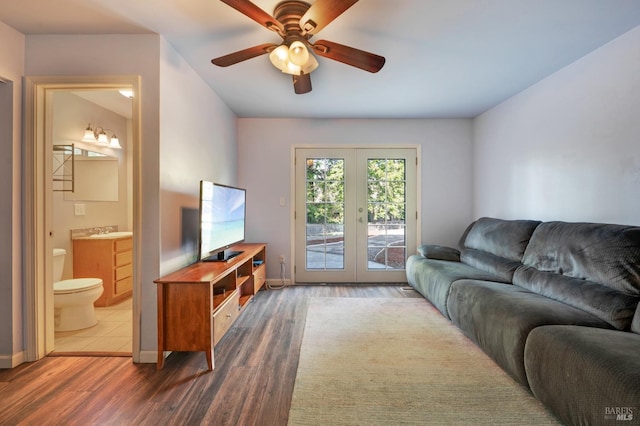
376, 361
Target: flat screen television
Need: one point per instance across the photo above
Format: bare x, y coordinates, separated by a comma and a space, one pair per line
222, 220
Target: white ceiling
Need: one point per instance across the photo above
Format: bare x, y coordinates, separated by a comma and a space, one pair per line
109, 99
445, 58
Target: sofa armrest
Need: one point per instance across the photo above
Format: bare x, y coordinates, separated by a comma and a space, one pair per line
431, 251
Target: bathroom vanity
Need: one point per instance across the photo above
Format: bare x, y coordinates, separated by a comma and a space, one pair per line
109, 257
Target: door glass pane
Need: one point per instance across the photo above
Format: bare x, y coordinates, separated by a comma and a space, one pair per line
386, 213
325, 213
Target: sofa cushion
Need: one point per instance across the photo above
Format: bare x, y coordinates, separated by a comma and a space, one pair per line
432, 251
604, 254
610, 305
594, 267
585, 375
498, 318
503, 238
504, 268
432, 278
496, 246
463, 237
635, 325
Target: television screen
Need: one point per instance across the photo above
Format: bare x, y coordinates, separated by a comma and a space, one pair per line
222, 216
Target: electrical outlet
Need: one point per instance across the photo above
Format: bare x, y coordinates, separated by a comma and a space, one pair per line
79, 209
282, 258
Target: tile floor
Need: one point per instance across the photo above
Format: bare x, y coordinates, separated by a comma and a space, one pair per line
113, 333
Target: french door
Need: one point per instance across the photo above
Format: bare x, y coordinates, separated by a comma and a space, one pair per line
355, 214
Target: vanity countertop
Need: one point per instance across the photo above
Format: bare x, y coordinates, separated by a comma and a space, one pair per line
105, 232
110, 236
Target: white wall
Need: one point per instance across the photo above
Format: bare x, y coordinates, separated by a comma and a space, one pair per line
12, 51
198, 142
264, 165
568, 148
103, 55
188, 134
70, 117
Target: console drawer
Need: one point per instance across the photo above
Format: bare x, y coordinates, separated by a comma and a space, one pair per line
224, 316
259, 277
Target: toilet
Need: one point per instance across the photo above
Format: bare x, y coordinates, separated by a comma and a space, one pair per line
73, 299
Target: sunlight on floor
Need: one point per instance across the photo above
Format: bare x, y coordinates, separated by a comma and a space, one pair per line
113, 333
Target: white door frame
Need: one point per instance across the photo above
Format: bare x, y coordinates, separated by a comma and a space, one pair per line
292, 188
38, 246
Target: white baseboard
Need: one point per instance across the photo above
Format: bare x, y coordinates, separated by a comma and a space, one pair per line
11, 361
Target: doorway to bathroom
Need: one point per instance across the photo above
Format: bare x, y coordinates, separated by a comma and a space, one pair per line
92, 219
59, 158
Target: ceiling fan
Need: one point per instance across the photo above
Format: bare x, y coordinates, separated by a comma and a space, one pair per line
296, 22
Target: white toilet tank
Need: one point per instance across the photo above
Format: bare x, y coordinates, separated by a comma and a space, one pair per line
58, 263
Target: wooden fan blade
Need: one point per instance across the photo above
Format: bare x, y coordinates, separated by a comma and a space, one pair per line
302, 83
322, 13
254, 12
243, 55
349, 55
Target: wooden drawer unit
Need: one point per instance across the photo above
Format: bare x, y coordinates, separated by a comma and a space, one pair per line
259, 277
110, 259
198, 304
259, 269
124, 285
123, 244
225, 315
123, 258
123, 272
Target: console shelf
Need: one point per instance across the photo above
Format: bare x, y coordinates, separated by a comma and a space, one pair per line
199, 303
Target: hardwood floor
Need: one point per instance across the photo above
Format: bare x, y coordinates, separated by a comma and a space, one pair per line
252, 383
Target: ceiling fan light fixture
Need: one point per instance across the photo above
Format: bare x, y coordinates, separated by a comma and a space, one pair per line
280, 57
292, 69
298, 53
296, 21
310, 65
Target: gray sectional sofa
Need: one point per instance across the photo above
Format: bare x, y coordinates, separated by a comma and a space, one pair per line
555, 304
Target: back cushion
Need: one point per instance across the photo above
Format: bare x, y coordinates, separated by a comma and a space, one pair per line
504, 268
635, 325
610, 305
503, 238
605, 254
590, 266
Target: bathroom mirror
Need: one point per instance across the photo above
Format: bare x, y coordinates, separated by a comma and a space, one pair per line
95, 177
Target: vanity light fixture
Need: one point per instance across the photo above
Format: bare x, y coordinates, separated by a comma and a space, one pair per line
115, 143
99, 137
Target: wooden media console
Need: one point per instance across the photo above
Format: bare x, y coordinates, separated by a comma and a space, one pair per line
199, 303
